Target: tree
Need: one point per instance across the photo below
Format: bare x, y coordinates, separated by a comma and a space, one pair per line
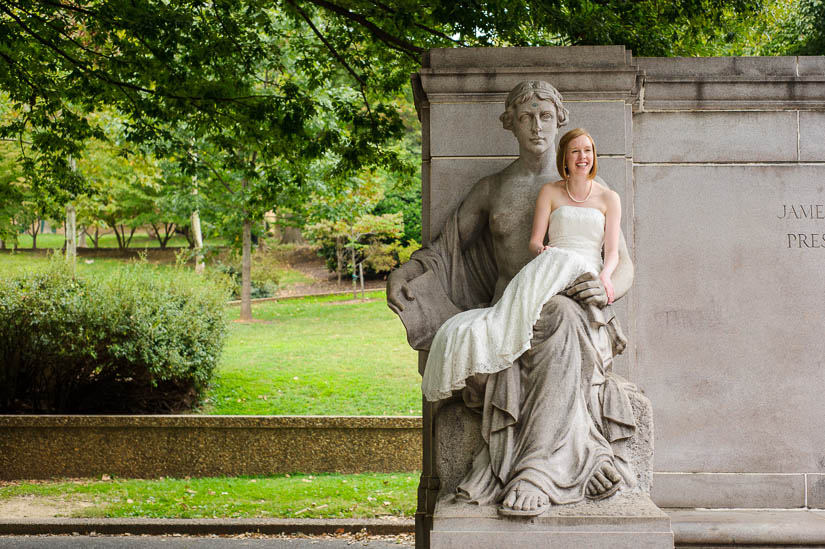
802, 30
252, 78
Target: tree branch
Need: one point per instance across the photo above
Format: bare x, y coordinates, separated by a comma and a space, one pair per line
423, 27
335, 54
378, 32
326, 42
106, 78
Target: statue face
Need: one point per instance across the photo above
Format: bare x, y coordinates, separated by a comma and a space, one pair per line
579, 156
534, 125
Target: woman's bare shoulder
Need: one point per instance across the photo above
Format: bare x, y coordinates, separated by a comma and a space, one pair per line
606, 193
553, 187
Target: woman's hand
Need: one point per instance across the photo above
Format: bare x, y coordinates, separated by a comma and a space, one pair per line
608, 286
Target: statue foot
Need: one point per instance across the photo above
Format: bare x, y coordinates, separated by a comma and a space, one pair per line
524, 500
604, 482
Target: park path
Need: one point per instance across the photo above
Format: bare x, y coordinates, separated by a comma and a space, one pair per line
306, 261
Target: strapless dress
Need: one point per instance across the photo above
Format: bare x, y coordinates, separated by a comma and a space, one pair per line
491, 339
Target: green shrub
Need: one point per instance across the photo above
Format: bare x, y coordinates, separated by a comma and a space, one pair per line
144, 339
266, 271
375, 239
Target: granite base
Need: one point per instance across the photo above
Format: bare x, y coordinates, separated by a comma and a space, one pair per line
629, 521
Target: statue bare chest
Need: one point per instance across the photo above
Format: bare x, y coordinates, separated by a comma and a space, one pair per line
511, 221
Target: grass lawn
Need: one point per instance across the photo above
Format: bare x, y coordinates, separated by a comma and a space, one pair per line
15, 263
317, 356
278, 496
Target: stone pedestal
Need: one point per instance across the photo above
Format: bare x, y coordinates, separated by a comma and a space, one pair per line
629, 521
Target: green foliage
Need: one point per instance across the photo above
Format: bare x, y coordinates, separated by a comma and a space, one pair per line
276, 496
281, 103
139, 340
802, 30
369, 238
408, 203
405, 252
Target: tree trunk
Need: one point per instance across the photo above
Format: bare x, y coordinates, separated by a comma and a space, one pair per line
361, 275
71, 238
35, 229
198, 238
339, 257
354, 273
246, 272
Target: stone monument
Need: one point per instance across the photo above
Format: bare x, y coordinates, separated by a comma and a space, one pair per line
720, 164
558, 427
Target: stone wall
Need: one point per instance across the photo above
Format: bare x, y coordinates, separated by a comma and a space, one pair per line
729, 213
720, 163
34, 447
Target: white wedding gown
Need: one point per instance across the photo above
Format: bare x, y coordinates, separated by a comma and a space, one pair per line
488, 340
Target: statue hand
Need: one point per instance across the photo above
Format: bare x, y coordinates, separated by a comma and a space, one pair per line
589, 290
398, 291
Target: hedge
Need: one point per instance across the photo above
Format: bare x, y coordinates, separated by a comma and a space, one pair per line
142, 340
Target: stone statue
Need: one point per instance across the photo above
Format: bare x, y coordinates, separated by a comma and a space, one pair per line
556, 422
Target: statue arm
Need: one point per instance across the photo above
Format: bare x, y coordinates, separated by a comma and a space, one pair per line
588, 288
541, 220
472, 214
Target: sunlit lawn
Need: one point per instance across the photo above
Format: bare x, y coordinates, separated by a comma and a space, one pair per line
318, 356
13, 263
277, 496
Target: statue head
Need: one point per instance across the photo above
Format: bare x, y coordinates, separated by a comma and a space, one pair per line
529, 89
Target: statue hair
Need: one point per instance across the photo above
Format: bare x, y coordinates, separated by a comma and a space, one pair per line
523, 92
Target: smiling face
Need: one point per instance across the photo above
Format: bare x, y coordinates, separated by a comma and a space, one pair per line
534, 125
579, 157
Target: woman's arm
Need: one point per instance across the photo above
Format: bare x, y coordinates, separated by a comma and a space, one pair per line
613, 218
541, 219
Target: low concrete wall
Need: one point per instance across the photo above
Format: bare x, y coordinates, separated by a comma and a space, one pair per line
38, 447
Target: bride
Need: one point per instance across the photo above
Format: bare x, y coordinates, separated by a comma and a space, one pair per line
488, 340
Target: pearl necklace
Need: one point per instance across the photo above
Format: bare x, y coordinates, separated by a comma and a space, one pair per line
566, 188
